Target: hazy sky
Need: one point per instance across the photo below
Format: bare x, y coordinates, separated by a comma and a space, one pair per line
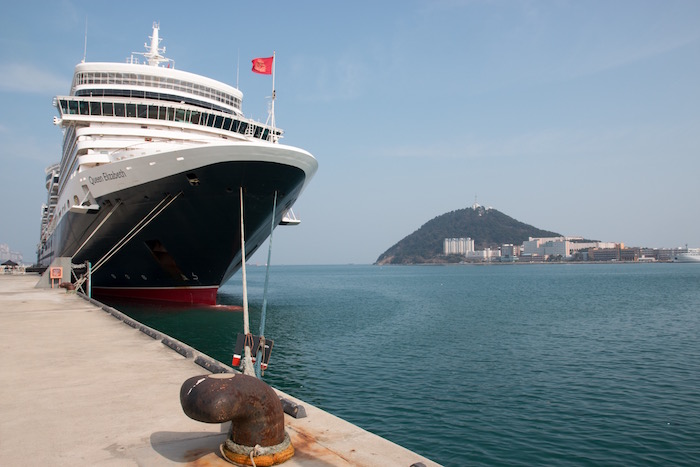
581, 117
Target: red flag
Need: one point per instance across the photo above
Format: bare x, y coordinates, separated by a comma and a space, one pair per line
263, 65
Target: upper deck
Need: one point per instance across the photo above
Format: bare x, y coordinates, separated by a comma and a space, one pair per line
153, 82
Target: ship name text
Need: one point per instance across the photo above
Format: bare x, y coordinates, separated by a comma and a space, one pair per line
106, 176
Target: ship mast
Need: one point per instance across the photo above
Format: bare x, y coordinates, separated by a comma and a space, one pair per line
271, 112
153, 55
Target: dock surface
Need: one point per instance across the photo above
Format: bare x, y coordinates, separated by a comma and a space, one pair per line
80, 387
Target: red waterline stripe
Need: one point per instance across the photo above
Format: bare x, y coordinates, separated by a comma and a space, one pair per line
184, 295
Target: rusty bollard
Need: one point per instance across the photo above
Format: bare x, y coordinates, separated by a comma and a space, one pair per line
254, 410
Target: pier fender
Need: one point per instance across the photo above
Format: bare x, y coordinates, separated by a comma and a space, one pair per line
257, 418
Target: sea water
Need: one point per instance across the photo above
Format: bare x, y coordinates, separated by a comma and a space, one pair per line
553, 364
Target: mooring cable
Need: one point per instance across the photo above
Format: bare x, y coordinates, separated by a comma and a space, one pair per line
261, 352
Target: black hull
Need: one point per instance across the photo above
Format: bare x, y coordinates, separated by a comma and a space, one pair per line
187, 250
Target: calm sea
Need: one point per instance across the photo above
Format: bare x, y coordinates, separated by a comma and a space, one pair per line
583, 364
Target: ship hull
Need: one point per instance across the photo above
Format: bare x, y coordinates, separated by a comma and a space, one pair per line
687, 257
177, 238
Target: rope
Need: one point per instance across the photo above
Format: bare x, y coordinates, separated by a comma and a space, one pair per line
255, 452
98, 227
248, 341
239, 454
258, 362
247, 359
133, 232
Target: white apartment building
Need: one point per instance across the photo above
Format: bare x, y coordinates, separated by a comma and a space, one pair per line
555, 246
538, 246
458, 246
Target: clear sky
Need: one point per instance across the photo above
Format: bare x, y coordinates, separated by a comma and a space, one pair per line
581, 117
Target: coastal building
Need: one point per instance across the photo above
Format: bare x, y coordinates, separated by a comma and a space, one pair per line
510, 252
618, 253
667, 254
483, 255
566, 247
535, 250
548, 246
458, 246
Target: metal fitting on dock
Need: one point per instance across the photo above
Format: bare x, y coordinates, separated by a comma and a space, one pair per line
254, 410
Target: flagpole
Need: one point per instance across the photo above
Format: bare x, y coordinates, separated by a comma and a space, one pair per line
272, 110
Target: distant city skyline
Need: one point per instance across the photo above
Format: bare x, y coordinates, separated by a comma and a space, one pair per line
576, 117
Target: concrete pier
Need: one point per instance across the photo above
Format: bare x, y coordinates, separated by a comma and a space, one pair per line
81, 387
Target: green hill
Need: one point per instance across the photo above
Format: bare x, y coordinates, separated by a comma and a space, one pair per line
488, 228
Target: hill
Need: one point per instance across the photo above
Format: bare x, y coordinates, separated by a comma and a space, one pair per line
489, 228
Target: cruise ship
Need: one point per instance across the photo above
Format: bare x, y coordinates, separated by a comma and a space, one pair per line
691, 255
154, 165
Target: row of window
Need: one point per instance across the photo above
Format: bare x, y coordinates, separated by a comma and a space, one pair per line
135, 94
160, 112
133, 79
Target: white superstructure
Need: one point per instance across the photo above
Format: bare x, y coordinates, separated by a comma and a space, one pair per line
142, 136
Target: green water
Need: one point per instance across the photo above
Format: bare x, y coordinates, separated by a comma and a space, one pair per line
482, 365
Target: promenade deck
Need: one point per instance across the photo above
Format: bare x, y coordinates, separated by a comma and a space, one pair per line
80, 387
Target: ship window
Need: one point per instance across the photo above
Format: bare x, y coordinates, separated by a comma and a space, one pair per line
195, 117
130, 110
227, 123
242, 128
143, 110
162, 113
236, 125
64, 106
118, 109
152, 111
95, 108
84, 108
171, 114
179, 115
219, 121
107, 109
